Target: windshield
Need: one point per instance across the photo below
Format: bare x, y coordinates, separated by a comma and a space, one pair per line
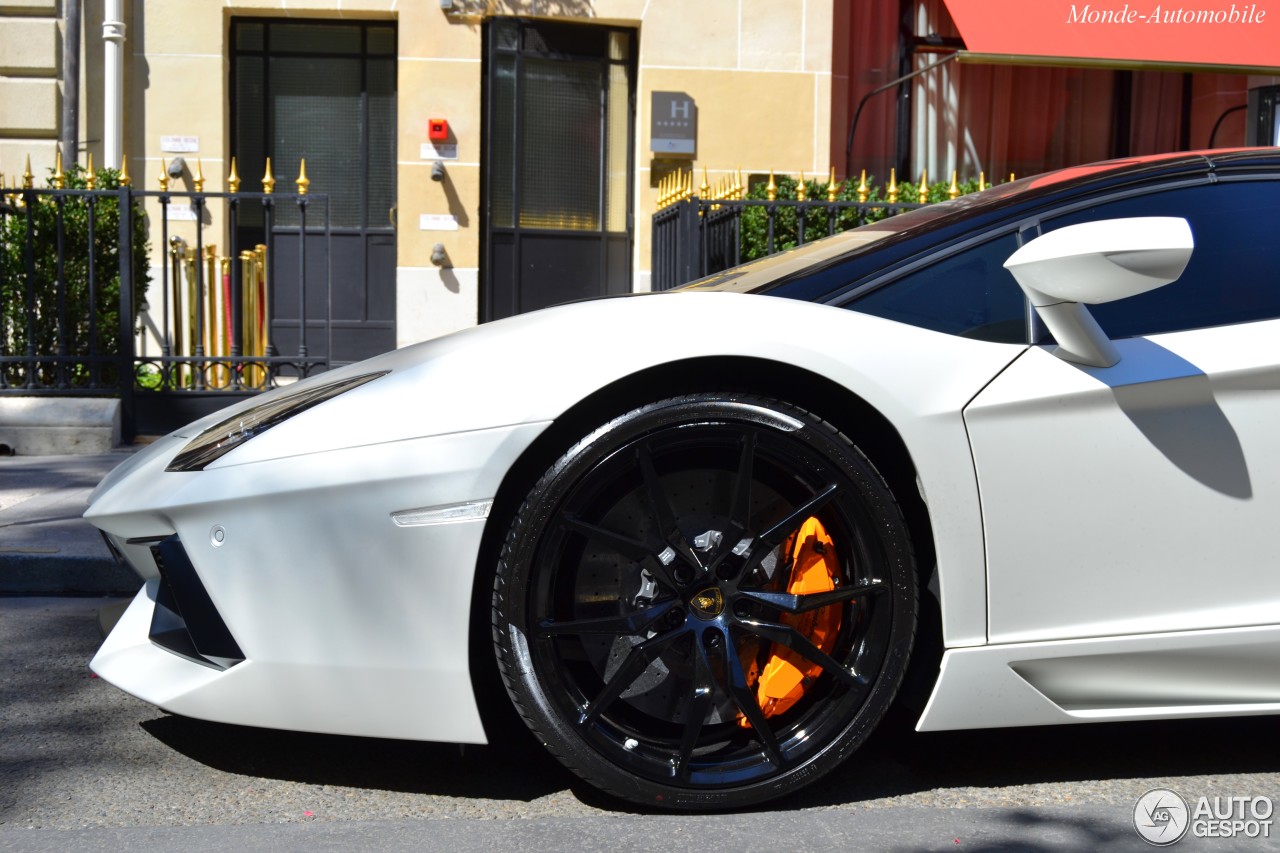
756, 275
818, 261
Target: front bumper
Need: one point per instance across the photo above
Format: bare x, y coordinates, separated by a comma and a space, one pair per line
336, 619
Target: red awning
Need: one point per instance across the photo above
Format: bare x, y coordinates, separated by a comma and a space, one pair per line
1183, 34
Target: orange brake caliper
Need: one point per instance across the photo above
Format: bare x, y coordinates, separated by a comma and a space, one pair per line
814, 567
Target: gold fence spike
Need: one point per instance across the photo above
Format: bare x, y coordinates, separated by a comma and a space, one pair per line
164, 175
688, 185
954, 190
28, 179
832, 186
125, 180
302, 181
705, 188
59, 176
893, 185
233, 179
268, 180
90, 179
864, 192
924, 187
198, 180
771, 191
802, 192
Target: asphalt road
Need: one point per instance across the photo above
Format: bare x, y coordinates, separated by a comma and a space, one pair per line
84, 766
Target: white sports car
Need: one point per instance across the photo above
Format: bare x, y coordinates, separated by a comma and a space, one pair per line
702, 534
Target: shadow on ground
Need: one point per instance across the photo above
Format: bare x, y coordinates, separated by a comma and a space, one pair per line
515, 768
896, 761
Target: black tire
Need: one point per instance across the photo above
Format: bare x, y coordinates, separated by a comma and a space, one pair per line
640, 580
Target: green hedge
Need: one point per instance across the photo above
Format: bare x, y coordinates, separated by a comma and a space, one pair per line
755, 220
17, 329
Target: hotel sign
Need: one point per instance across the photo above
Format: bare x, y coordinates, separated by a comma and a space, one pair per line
673, 125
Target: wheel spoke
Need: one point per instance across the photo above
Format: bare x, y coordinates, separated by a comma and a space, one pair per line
633, 666
775, 535
747, 704
632, 549
701, 692
660, 506
791, 603
741, 510
631, 625
794, 640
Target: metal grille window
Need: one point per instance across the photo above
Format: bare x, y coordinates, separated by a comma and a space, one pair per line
566, 96
558, 162
325, 92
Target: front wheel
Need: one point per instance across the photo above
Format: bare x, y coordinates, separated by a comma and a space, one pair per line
707, 602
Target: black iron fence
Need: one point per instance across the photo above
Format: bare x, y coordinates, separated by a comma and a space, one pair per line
694, 237
174, 328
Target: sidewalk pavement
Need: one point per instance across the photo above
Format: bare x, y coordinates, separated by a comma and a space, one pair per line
46, 547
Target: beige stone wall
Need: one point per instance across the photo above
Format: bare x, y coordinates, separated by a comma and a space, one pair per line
440, 77
30, 62
760, 73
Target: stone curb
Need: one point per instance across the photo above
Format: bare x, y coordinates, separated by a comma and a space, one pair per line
40, 574
46, 548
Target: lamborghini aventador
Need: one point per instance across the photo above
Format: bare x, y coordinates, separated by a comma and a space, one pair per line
1024, 442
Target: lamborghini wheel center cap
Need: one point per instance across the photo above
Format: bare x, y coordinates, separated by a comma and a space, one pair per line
709, 603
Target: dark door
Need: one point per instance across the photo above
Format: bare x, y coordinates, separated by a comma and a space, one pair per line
324, 91
558, 164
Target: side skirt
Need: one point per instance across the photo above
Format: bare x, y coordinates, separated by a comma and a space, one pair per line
1219, 673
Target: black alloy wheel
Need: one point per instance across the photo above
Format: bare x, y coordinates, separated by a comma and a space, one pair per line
644, 585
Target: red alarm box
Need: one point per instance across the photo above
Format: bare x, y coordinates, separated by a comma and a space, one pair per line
438, 129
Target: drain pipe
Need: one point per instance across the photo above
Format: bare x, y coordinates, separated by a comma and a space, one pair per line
113, 95
71, 80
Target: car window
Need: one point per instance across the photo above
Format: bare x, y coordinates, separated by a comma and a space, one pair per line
969, 294
1233, 275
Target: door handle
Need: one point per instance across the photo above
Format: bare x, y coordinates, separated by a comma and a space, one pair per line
391, 215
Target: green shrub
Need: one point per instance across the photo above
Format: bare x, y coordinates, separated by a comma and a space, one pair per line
755, 220
30, 309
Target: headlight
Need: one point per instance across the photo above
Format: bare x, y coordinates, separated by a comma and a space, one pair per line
227, 435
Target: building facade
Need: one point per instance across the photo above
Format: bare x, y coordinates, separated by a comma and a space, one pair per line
487, 157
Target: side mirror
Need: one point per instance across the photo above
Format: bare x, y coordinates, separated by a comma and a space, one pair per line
1096, 262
